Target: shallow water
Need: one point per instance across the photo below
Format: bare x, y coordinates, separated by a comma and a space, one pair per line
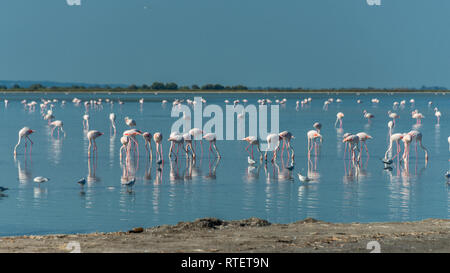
228, 188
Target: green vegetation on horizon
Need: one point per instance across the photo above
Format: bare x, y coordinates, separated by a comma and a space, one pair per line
173, 87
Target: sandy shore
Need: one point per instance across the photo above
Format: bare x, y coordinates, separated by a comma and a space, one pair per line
250, 235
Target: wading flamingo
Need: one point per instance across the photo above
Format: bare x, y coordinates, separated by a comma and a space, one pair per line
339, 117
112, 118
408, 138
438, 114
353, 141
368, 116
188, 140
362, 138
273, 142
24, 133
148, 143
253, 141
57, 124
92, 135
132, 133
391, 127
394, 138
197, 134
393, 116
157, 138
418, 116
86, 122
124, 141
313, 136
286, 137
176, 138
211, 138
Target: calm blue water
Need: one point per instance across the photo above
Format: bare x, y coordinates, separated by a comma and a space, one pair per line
228, 188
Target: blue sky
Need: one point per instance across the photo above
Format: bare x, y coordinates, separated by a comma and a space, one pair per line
285, 43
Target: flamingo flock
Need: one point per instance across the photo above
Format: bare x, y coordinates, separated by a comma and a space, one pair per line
188, 141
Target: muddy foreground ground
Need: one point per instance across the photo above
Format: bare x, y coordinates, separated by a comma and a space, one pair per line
250, 235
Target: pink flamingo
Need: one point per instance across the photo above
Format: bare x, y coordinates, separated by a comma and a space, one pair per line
197, 133
418, 116
112, 118
391, 125
346, 143
312, 136
394, 138
86, 122
57, 124
132, 133
286, 137
438, 114
339, 117
353, 141
211, 138
393, 116
368, 116
124, 141
363, 137
408, 138
187, 137
92, 135
157, 138
253, 141
175, 138
148, 142
272, 139
24, 133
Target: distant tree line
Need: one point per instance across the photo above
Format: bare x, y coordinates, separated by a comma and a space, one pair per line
173, 86
133, 87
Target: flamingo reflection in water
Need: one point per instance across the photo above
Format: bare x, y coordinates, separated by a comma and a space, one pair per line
213, 164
